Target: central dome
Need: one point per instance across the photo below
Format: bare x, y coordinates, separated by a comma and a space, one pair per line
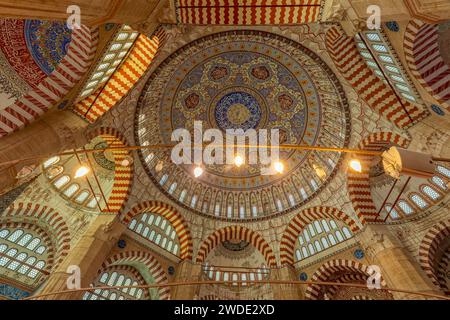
244, 80
237, 110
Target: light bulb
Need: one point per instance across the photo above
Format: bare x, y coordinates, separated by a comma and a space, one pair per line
279, 167
81, 172
238, 161
356, 165
198, 171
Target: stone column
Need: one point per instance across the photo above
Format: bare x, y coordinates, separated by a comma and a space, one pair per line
89, 254
285, 291
186, 271
55, 132
398, 267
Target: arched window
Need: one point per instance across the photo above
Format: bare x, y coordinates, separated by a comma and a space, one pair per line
183, 195
439, 182
333, 224
59, 183
317, 246
291, 200
392, 211
117, 278
255, 211
279, 205
193, 201
419, 201
324, 243
303, 193
51, 162
339, 236
154, 229
298, 255
230, 212
314, 184
244, 278
22, 252
82, 196
317, 226
163, 179
332, 239
311, 249
430, 192
444, 171
71, 190
346, 232
173, 187
94, 202
325, 226
217, 209
305, 252
406, 208
235, 279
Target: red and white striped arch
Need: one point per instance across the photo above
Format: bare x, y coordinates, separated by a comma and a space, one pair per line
123, 175
429, 250
249, 12
425, 62
174, 217
45, 218
341, 270
301, 220
237, 233
71, 69
123, 80
150, 262
373, 90
358, 183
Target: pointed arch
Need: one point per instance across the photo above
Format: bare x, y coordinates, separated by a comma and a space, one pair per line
424, 59
154, 267
339, 270
46, 218
305, 217
174, 217
70, 70
358, 183
372, 89
240, 233
429, 250
123, 175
